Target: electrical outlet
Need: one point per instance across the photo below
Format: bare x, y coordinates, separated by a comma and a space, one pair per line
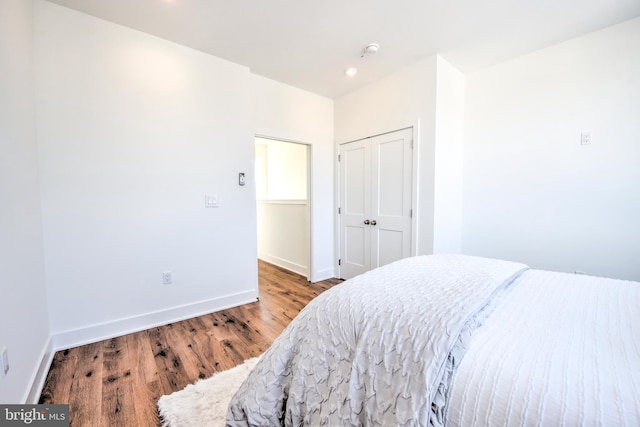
4, 362
167, 279
585, 138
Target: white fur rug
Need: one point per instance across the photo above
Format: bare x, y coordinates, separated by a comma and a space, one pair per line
204, 403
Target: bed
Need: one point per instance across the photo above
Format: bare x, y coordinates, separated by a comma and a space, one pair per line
454, 340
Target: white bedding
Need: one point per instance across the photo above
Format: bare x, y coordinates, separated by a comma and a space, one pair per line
559, 349
556, 349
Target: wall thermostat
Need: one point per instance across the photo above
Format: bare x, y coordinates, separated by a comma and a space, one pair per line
241, 180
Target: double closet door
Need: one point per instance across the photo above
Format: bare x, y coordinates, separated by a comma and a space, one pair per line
375, 201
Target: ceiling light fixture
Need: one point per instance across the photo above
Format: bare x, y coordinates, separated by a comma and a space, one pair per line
351, 71
370, 49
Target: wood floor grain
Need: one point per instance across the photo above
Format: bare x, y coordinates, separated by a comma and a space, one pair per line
117, 382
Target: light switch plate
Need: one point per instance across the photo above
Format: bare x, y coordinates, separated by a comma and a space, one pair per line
210, 201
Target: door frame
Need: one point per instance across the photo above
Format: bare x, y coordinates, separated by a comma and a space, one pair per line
309, 194
415, 128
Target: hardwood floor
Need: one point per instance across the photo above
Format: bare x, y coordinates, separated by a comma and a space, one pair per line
117, 382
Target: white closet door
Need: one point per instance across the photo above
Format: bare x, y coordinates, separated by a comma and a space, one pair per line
391, 197
355, 208
375, 202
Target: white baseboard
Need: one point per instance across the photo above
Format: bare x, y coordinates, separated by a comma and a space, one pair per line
288, 265
325, 274
40, 374
103, 331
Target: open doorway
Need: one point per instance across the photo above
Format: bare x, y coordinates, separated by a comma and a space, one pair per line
282, 193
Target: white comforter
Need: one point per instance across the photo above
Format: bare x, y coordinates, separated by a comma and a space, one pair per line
558, 350
374, 350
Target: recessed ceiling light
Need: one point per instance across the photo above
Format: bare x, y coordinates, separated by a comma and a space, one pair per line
351, 71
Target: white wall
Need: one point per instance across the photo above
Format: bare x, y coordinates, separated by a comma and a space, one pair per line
531, 192
288, 113
24, 328
133, 132
283, 234
447, 228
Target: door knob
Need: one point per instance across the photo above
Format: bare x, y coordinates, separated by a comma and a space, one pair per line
366, 222
373, 222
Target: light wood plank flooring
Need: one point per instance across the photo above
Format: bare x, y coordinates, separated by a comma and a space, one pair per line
117, 382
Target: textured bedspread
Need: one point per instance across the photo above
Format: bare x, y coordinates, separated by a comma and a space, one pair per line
376, 349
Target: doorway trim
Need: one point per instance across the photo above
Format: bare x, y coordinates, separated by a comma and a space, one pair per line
309, 209
415, 131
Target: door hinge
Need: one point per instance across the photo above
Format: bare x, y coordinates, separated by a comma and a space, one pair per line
338, 157
412, 144
339, 211
410, 213
339, 262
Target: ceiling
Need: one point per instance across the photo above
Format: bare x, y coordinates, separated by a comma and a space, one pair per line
309, 44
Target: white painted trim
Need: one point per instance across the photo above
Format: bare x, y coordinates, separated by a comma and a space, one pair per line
327, 273
287, 265
40, 374
309, 201
103, 331
282, 202
310, 218
415, 183
350, 140
336, 206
